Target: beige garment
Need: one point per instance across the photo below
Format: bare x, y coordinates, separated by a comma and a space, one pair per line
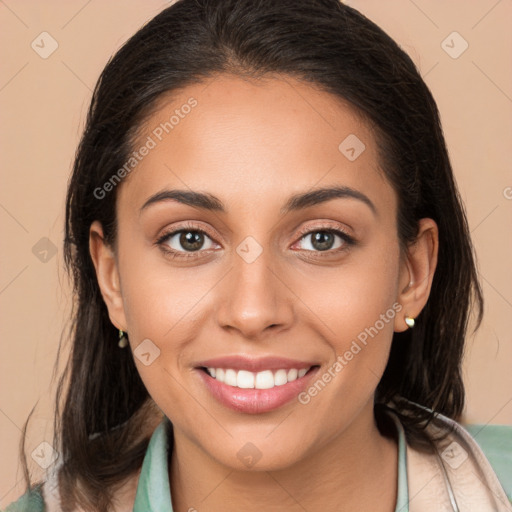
457, 478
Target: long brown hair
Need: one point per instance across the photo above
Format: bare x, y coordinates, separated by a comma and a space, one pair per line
99, 426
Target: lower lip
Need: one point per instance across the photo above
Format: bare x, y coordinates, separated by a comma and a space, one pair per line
255, 401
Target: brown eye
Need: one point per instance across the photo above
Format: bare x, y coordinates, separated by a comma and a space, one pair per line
185, 242
191, 240
322, 240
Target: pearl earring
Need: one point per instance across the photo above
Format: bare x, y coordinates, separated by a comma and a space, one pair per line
409, 320
123, 340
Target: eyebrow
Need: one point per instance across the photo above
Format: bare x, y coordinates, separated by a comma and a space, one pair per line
206, 201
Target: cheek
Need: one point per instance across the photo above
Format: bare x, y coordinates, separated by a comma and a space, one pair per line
156, 295
354, 307
164, 308
352, 297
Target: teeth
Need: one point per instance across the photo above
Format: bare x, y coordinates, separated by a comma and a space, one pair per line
281, 377
264, 380
245, 379
292, 374
230, 378
260, 380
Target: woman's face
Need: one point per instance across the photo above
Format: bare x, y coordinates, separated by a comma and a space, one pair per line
284, 278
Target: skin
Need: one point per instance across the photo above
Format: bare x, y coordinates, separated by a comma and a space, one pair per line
253, 144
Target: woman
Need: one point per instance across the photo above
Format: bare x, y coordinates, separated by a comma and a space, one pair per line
273, 274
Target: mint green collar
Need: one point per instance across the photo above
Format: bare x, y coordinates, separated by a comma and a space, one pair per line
402, 500
153, 490
154, 493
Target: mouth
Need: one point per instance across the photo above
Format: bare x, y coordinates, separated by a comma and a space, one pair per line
266, 379
255, 387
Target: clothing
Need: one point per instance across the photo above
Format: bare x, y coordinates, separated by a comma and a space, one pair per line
470, 481
153, 491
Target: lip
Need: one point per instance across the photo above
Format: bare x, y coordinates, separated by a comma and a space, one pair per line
255, 401
237, 362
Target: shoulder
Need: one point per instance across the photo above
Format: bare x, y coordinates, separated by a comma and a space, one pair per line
466, 465
31, 501
472, 464
495, 441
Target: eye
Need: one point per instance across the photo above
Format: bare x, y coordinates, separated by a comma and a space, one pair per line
187, 239
323, 239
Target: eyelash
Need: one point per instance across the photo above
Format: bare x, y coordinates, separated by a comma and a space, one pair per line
347, 239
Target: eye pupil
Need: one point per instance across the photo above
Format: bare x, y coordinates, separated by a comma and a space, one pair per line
191, 240
323, 240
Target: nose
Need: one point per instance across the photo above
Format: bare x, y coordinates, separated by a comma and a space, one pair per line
256, 301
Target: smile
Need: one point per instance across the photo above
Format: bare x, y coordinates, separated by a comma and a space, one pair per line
265, 379
254, 386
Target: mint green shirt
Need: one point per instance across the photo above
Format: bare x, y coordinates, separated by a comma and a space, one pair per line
154, 494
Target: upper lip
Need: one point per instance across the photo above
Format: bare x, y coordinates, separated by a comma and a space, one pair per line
237, 362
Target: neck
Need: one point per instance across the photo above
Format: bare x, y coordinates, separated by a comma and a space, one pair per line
355, 470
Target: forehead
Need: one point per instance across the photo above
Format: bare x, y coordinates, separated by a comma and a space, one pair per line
252, 141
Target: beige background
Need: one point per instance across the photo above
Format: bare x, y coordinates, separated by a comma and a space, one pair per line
43, 103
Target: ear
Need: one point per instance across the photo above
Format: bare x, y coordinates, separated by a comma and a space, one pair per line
417, 272
107, 274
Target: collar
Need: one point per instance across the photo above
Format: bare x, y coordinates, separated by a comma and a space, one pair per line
154, 493
153, 490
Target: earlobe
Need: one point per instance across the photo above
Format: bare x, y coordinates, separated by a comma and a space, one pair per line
417, 274
107, 274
